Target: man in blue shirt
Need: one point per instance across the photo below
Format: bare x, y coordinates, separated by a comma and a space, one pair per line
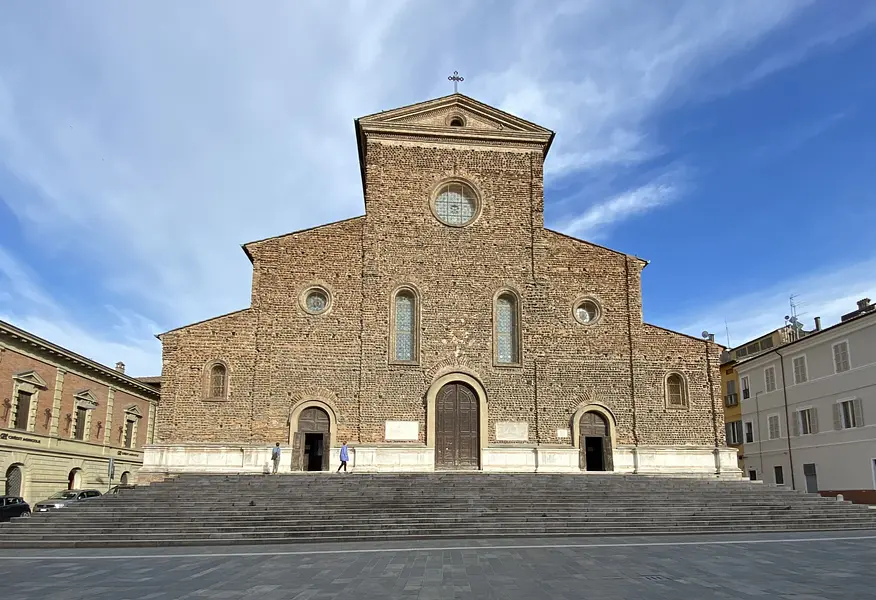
275, 457
345, 456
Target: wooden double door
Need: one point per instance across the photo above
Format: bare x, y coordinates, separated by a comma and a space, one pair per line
457, 428
310, 444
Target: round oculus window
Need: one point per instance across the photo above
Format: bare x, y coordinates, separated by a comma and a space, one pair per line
456, 204
316, 301
587, 312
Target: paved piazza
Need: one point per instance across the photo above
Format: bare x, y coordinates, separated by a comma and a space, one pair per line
798, 567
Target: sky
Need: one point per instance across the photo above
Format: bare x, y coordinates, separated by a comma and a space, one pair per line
729, 143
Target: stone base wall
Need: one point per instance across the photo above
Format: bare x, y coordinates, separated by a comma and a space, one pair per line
688, 461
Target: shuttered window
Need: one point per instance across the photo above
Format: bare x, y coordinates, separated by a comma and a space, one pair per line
800, 374
841, 361
769, 377
774, 427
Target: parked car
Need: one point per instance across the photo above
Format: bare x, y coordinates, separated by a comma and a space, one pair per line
116, 489
13, 506
65, 499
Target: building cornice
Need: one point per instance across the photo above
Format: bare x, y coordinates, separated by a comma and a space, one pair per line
13, 336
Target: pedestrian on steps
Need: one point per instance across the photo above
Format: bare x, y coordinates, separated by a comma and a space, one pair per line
345, 456
275, 457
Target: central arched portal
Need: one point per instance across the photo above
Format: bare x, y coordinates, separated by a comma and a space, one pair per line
310, 445
457, 428
595, 442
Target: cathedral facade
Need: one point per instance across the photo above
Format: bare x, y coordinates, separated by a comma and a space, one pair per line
445, 329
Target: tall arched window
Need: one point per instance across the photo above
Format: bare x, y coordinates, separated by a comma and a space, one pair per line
676, 394
218, 379
507, 329
404, 327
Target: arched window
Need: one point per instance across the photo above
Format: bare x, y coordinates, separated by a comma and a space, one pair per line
218, 378
676, 394
507, 329
404, 327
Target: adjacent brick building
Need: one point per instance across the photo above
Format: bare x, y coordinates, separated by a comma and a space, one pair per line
446, 328
64, 416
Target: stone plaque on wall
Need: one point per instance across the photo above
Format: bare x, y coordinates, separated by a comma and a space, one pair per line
508, 431
402, 431
562, 434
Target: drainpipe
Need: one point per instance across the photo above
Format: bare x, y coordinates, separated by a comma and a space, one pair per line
787, 418
759, 436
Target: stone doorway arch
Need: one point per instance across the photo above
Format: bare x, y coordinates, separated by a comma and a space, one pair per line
74, 479
464, 399
312, 439
14, 481
594, 436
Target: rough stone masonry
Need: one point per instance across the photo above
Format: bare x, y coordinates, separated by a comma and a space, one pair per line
280, 358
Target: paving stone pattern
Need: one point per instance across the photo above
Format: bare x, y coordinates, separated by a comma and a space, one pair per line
790, 570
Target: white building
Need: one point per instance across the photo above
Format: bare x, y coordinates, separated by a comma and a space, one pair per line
828, 405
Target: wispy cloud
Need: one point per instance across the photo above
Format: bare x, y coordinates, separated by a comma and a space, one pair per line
794, 138
827, 294
597, 220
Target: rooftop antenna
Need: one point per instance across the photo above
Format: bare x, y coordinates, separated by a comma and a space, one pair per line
727, 330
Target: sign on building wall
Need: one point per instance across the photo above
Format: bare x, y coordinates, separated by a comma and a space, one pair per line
402, 431
509, 431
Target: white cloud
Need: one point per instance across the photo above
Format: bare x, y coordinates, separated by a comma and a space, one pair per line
598, 218
828, 294
160, 136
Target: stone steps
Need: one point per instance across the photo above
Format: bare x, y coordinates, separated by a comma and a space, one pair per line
211, 510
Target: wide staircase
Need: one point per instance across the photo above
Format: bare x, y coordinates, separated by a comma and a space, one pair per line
258, 509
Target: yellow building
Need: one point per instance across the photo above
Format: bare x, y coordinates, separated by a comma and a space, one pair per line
735, 391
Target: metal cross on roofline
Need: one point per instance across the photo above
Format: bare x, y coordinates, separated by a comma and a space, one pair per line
456, 78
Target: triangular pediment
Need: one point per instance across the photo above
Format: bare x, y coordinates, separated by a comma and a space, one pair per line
134, 411
442, 113
85, 399
31, 377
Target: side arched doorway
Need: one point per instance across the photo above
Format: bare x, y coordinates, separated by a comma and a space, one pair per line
74, 479
14, 481
457, 431
310, 444
595, 443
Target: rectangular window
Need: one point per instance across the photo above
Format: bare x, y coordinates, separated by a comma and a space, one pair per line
79, 430
749, 432
734, 432
740, 352
766, 343
800, 375
22, 411
769, 379
774, 427
780, 476
841, 361
752, 348
129, 434
847, 414
746, 389
732, 398
808, 421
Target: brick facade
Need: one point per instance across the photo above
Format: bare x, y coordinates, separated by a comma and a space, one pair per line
278, 355
47, 450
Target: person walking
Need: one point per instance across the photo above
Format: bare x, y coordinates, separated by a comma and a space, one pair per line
345, 456
275, 457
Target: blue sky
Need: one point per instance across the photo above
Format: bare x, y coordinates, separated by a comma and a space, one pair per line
731, 144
